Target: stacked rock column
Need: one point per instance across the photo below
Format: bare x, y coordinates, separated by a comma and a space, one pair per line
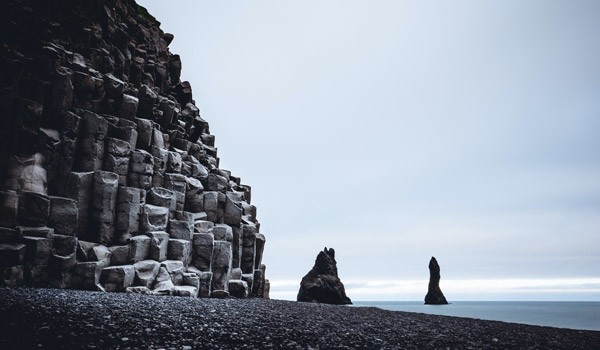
109, 176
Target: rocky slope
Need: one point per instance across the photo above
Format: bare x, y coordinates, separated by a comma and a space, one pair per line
109, 176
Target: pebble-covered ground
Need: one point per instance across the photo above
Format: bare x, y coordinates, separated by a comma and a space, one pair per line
67, 319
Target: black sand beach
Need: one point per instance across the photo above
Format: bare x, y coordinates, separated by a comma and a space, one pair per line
67, 319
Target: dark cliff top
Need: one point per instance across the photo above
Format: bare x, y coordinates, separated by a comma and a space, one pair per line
70, 23
78, 319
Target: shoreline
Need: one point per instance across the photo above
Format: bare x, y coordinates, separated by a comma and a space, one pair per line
576, 315
54, 318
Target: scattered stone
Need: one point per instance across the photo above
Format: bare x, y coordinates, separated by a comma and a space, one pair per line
185, 291
139, 290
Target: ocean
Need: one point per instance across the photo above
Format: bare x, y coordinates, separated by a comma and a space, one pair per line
562, 314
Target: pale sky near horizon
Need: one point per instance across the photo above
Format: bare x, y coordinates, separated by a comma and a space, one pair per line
394, 131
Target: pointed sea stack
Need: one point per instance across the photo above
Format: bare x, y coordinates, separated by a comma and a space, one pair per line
322, 284
434, 294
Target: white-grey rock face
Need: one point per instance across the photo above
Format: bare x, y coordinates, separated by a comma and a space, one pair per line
102, 215
221, 265
109, 176
127, 215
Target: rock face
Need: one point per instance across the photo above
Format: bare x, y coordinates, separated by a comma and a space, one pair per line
109, 176
434, 293
322, 284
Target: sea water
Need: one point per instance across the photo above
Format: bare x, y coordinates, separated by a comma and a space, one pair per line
562, 314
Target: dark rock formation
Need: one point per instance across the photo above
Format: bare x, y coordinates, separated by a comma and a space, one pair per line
434, 293
109, 176
322, 284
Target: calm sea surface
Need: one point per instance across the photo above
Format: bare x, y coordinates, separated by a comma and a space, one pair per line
563, 314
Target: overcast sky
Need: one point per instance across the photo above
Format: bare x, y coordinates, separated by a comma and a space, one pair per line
394, 131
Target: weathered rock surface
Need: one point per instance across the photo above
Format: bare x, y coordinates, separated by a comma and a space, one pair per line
109, 176
434, 293
321, 284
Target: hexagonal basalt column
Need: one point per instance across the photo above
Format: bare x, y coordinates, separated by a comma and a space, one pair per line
221, 265
64, 216
141, 169
104, 200
90, 152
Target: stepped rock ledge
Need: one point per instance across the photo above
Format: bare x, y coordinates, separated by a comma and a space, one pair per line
109, 176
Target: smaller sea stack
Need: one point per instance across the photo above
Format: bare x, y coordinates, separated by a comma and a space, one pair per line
322, 284
434, 293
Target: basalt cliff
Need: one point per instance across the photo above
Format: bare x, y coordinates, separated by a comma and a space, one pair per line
109, 176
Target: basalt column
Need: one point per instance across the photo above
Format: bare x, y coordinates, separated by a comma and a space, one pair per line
109, 175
